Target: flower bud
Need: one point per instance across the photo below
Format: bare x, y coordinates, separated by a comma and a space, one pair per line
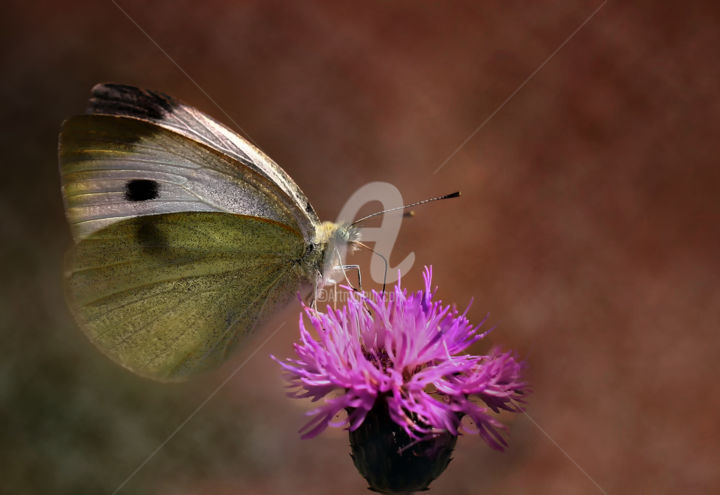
391, 461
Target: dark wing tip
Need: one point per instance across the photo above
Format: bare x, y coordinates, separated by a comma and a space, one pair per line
129, 101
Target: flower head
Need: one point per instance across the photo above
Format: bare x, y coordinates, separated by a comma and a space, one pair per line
403, 353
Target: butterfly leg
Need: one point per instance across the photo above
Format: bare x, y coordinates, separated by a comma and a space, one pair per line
359, 275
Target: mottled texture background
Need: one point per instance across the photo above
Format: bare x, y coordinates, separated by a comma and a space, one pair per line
588, 228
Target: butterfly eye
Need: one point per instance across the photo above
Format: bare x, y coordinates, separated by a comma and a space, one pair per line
141, 190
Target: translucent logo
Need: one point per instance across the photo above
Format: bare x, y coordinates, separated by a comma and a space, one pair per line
383, 237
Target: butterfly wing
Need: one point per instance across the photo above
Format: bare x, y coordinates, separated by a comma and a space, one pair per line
168, 295
171, 114
113, 168
184, 238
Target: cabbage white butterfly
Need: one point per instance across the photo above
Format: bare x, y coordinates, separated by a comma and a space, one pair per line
186, 235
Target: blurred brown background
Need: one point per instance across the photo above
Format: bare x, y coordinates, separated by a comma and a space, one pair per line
587, 228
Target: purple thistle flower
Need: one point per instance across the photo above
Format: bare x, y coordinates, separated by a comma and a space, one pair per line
399, 356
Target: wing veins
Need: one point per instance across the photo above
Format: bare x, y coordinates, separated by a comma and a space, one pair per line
228, 329
148, 325
149, 284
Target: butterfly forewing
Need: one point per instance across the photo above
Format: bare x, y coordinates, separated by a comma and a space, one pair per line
115, 167
169, 113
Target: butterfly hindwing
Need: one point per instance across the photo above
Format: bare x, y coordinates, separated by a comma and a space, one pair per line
168, 295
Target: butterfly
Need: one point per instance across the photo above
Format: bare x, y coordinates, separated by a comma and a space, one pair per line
186, 235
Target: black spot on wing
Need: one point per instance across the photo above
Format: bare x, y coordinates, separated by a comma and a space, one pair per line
141, 190
309, 208
129, 101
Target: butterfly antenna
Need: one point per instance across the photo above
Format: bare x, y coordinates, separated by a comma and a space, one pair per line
358, 243
418, 203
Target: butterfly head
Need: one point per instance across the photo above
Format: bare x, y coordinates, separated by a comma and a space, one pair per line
330, 246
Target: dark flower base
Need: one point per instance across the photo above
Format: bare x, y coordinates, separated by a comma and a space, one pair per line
381, 454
